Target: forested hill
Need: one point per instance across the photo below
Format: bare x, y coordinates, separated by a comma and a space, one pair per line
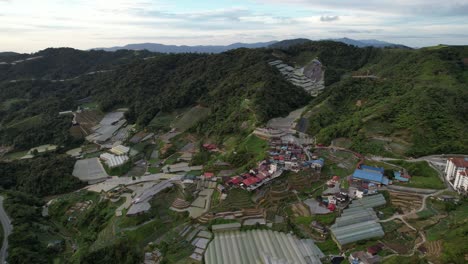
409, 102
239, 87
62, 63
412, 103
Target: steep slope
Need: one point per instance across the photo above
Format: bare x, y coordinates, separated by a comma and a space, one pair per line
238, 86
62, 63
338, 58
416, 106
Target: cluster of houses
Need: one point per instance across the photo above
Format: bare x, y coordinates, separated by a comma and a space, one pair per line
310, 77
284, 154
255, 178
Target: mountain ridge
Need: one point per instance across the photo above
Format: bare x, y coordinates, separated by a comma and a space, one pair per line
162, 48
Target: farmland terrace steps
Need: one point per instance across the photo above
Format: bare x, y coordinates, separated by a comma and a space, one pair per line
180, 204
310, 77
243, 214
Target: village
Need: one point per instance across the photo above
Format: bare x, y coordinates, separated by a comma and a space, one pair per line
329, 203
276, 195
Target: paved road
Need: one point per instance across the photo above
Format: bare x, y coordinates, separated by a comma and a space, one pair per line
7, 228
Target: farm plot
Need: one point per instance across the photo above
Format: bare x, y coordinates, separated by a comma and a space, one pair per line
85, 120
406, 202
398, 237
235, 200
434, 249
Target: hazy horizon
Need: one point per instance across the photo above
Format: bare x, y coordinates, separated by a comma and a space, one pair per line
85, 24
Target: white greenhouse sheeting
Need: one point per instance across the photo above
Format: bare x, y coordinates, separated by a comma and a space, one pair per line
261, 246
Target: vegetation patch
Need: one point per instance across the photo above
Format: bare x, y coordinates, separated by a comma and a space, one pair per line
422, 175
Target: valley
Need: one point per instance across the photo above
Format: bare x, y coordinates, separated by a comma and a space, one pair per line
317, 152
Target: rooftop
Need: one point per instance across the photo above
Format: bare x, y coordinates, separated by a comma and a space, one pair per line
261, 246
89, 170
460, 162
369, 175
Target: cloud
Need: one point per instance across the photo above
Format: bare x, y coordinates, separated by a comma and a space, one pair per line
395, 7
357, 31
329, 18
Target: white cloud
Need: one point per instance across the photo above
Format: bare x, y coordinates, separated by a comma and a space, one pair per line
32, 25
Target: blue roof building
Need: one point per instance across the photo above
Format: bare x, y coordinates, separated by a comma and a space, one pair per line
370, 168
319, 162
398, 177
370, 176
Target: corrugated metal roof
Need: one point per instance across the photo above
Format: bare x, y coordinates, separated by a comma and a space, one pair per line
369, 175
359, 221
369, 201
222, 227
358, 231
370, 168
398, 177
357, 216
261, 246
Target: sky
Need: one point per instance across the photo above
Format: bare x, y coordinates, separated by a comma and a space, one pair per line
33, 25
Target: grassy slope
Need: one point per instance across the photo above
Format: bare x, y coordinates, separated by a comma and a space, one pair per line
422, 175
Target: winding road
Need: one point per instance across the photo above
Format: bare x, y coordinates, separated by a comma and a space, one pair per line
420, 232
7, 228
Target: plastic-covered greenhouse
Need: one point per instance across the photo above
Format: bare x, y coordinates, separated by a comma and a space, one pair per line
261, 246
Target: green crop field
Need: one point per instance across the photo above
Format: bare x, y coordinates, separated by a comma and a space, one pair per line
235, 200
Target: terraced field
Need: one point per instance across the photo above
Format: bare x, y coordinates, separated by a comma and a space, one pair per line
407, 202
235, 200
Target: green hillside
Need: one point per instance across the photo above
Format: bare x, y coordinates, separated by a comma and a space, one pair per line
417, 106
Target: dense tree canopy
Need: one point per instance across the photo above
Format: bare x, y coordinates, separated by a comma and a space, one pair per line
41, 176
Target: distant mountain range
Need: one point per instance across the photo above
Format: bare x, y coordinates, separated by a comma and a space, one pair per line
358, 43
370, 43
156, 47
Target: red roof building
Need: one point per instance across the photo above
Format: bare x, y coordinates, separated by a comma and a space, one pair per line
209, 146
373, 250
459, 162
208, 175
250, 181
235, 180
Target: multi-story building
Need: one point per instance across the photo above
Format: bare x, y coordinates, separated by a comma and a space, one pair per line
456, 173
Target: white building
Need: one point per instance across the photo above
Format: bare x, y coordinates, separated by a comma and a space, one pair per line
113, 161
456, 173
120, 150
461, 181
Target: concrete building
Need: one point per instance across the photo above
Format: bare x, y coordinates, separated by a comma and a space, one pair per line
456, 173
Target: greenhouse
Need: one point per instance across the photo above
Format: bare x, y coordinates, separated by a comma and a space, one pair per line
261, 246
